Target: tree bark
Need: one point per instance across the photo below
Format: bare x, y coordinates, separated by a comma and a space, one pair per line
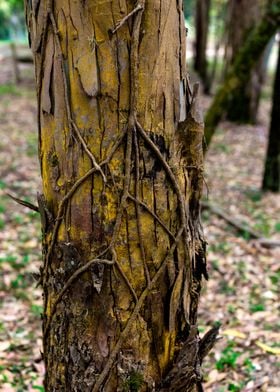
240, 71
120, 145
243, 16
202, 27
271, 178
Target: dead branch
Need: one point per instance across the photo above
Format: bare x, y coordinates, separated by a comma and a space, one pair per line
241, 227
24, 203
256, 237
266, 242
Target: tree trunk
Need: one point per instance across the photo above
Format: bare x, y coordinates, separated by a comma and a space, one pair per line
120, 143
243, 16
202, 26
271, 178
240, 71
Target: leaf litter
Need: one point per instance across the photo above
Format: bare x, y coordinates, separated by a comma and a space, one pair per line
243, 291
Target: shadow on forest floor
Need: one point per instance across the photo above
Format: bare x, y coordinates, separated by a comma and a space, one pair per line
244, 286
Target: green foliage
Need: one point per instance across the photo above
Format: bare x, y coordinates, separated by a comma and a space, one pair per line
262, 224
235, 387
228, 358
254, 195
2, 223
38, 388
2, 183
242, 269
32, 149
220, 247
4, 26
249, 366
218, 11
20, 282
231, 309
225, 288
36, 310
217, 323
9, 89
275, 278
222, 147
201, 329
189, 9
275, 9
8, 258
215, 264
9, 6
134, 382
258, 307
11, 10
19, 219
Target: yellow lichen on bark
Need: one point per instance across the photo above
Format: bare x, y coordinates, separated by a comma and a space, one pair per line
117, 276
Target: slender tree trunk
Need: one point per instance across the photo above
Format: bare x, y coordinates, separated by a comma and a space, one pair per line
220, 24
271, 178
15, 62
240, 71
202, 27
243, 16
120, 141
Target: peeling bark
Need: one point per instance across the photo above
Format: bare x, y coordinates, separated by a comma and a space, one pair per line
121, 156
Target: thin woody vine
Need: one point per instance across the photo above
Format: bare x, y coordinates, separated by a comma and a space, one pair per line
185, 372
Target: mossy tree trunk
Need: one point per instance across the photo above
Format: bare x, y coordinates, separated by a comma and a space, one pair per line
202, 27
243, 16
240, 71
120, 142
271, 178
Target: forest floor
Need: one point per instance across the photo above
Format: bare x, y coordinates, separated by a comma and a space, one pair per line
243, 292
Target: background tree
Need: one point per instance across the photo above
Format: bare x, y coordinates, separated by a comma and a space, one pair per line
243, 15
244, 62
218, 26
11, 20
120, 145
202, 16
189, 6
271, 178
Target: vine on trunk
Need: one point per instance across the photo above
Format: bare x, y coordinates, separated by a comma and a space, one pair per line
187, 362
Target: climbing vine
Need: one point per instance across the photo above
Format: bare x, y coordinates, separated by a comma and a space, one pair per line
186, 239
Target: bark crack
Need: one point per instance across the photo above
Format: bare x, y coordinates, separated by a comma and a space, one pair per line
135, 139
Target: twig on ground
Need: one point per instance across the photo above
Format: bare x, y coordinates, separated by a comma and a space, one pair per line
241, 227
256, 237
266, 242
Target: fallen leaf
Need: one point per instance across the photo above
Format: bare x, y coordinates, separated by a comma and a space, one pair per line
268, 349
234, 333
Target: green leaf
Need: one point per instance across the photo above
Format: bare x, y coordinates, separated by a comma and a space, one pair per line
38, 388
